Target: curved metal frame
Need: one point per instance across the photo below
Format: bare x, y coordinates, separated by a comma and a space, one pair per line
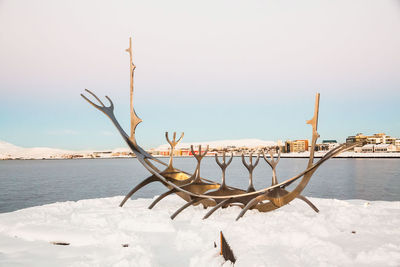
195, 189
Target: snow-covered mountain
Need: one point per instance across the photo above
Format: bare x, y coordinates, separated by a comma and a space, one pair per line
8, 150
250, 143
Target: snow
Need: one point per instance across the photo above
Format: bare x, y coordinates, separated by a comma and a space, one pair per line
292, 236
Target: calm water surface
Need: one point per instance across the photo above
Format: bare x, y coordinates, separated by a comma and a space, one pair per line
27, 183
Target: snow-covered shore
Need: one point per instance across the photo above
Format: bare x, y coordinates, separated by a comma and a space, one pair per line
344, 233
346, 154
10, 152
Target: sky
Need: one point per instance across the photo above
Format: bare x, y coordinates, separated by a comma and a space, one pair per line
213, 69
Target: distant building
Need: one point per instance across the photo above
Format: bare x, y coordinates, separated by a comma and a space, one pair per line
329, 141
185, 152
380, 148
331, 144
356, 138
281, 146
296, 146
375, 143
321, 147
385, 148
397, 144
379, 138
368, 148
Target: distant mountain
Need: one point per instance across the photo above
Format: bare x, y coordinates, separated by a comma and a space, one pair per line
251, 143
8, 150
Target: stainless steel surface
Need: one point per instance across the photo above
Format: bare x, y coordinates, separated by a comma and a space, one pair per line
250, 167
223, 167
173, 144
195, 189
272, 162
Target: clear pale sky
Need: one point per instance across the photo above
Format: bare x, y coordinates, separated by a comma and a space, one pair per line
213, 69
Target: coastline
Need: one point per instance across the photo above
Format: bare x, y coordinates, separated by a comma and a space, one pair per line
317, 155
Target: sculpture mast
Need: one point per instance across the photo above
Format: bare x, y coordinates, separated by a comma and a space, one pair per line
314, 123
135, 120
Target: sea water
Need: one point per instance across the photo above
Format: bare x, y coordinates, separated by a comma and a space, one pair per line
27, 183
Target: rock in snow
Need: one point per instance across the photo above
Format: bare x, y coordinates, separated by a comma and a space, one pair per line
344, 233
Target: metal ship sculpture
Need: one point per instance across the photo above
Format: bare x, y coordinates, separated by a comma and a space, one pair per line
197, 190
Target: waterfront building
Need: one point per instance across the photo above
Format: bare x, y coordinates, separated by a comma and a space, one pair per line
321, 147
397, 144
296, 146
370, 148
376, 139
384, 148
356, 138
381, 138
281, 146
330, 143
380, 148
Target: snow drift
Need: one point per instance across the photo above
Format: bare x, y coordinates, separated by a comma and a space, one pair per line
344, 233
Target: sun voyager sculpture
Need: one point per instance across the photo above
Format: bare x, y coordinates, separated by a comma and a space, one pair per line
197, 190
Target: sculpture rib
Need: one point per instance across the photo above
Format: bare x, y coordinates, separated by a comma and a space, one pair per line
219, 205
190, 203
308, 202
137, 187
169, 192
